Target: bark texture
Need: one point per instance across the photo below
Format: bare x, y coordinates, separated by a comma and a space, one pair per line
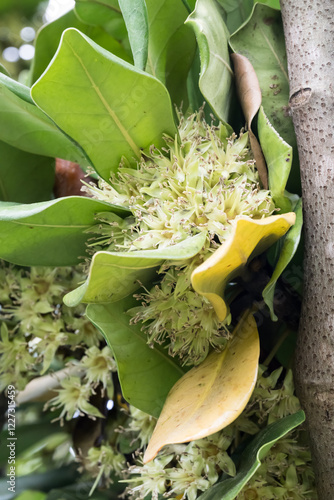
309, 34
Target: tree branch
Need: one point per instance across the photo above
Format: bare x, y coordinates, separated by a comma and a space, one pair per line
309, 34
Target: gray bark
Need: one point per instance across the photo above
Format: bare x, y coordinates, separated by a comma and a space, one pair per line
309, 34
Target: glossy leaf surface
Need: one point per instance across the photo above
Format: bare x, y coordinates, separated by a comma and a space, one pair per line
106, 13
212, 38
135, 17
212, 395
48, 233
115, 275
110, 108
25, 177
249, 238
236, 12
25, 126
258, 448
278, 155
289, 248
171, 48
146, 375
49, 36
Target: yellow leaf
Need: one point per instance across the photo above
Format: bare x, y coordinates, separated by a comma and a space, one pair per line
249, 238
211, 395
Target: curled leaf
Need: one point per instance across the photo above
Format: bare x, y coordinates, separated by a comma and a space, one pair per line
211, 395
115, 275
249, 238
250, 97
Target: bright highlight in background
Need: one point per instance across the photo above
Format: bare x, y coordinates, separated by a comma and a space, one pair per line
57, 8
26, 52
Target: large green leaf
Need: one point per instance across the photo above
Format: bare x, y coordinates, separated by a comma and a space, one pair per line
289, 248
228, 489
278, 155
171, 46
236, 12
24, 177
146, 375
115, 275
212, 38
48, 39
26, 127
110, 108
48, 233
261, 40
135, 17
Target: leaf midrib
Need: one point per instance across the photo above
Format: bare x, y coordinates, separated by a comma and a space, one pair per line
106, 105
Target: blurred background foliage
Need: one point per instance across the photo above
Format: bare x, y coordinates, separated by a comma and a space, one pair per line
20, 21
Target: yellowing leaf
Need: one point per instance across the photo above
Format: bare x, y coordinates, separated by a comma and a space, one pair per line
211, 395
250, 237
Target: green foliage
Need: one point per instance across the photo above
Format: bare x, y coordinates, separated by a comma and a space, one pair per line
171, 47
115, 275
135, 17
261, 40
288, 250
146, 374
131, 112
252, 456
216, 74
49, 36
278, 155
26, 127
50, 233
24, 177
105, 79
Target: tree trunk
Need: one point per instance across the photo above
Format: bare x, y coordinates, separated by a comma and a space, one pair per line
309, 35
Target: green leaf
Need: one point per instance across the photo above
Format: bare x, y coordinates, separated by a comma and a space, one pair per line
17, 88
236, 12
278, 155
228, 489
115, 275
261, 40
31, 495
212, 38
24, 177
47, 233
105, 13
171, 48
110, 108
48, 39
135, 17
26, 127
271, 3
289, 248
146, 375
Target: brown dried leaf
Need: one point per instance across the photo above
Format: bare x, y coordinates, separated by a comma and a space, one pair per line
250, 97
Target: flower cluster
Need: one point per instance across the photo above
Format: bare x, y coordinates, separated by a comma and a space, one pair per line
199, 183
184, 471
